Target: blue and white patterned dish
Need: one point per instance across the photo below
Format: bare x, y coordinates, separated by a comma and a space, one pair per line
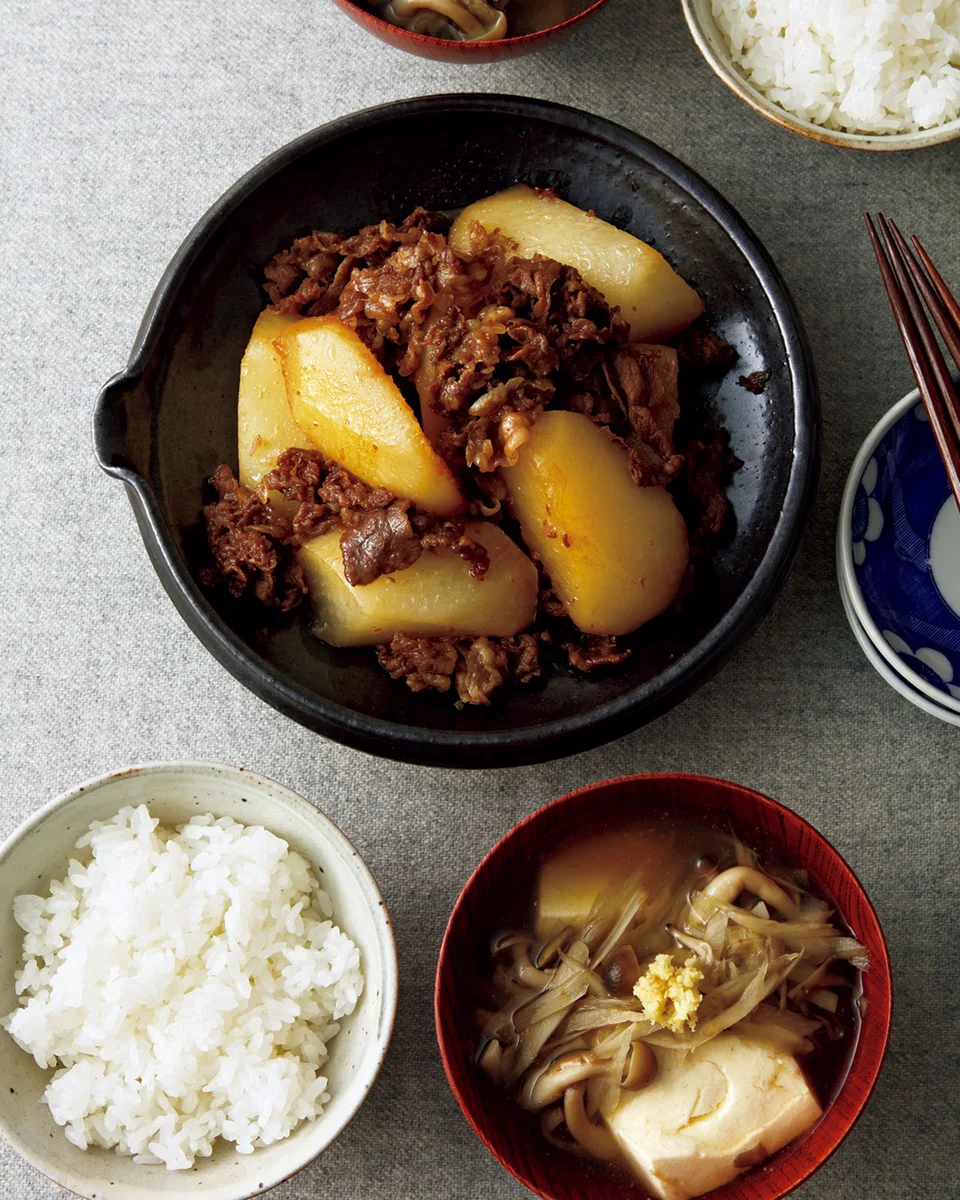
887, 673
898, 552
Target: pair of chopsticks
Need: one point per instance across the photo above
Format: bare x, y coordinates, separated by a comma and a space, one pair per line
908, 275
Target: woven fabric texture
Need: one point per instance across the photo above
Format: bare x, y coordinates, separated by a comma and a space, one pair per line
119, 126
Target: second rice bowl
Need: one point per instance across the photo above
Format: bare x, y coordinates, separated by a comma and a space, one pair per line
716, 49
175, 793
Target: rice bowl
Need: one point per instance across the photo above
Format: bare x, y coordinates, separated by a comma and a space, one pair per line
834, 58
187, 984
894, 68
176, 793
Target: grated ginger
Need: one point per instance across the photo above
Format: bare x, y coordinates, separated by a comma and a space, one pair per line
669, 994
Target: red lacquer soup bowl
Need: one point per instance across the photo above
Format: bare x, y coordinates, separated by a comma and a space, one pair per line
447, 50
778, 835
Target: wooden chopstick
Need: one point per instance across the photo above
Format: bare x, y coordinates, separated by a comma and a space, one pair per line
943, 292
943, 318
929, 368
947, 395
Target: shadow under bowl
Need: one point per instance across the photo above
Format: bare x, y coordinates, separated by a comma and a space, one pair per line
447, 50
39, 850
165, 423
714, 47
776, 834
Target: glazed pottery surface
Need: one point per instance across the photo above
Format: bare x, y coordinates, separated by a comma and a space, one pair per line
165, 423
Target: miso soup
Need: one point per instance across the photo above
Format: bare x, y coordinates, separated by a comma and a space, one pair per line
667, 1005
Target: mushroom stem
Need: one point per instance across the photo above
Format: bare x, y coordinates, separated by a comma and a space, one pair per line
548, 951
550, 1122
594, 1139
699, 947
491, 1060
524, 970
728, 885
476, 20
641, 1067
547, 1086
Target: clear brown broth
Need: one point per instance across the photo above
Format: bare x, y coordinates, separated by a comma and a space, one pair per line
531, 16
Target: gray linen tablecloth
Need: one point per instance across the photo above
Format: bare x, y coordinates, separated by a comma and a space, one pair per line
120, 125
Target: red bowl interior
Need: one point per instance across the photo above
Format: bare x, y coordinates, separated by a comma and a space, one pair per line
764, 825
450, 51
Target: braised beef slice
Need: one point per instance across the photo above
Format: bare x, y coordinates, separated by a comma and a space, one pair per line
755, 382
379, 543
483, 668
249, 542
381, 534
591, 651
448, 533
703, 352
700, 492
309, 477
478, 666
490, 342
523, 655
422, 662
308, 278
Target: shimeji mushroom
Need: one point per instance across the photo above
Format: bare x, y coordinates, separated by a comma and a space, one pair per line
546, 1087
464, 20
703, 950
728, 885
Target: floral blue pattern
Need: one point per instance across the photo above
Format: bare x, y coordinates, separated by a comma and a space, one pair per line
902, 490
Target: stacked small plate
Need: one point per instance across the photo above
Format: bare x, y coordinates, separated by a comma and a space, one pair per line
898, 561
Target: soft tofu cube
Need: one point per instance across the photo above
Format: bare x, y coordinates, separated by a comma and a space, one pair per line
572, 880
710, 1114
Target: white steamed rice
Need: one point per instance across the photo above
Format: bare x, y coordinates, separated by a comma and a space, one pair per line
186, 984
868, 66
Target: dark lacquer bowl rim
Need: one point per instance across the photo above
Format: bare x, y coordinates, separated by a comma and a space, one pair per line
413, 743
847, 1105
422, 43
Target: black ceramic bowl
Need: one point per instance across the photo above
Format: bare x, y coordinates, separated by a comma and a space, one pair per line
165, 422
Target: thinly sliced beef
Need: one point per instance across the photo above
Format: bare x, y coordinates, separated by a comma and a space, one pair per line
250, 545
591, 651
308, 278
482, 669
478, 666
484, 343
701, 495
448, 533
704, 352
379, 543
253, 544
755, 383
422, 662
